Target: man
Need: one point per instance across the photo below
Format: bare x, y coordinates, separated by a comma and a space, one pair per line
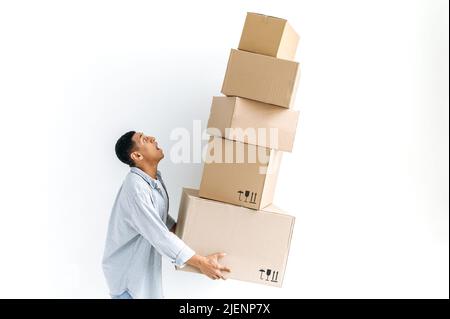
141, 231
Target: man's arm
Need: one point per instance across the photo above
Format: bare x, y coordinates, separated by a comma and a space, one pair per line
146, 220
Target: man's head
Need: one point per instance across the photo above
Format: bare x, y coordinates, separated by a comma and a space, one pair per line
137, 149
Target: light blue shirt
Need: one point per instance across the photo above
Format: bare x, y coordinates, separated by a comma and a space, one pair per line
138, 236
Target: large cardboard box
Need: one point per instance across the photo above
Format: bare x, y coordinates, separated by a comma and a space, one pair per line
269, 35
256, 242
261, 78
253, 122
239, 173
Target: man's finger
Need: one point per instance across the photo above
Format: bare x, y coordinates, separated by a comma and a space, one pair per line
213, 276
218, 274
224, 268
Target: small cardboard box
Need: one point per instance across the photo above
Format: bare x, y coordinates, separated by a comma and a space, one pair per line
261, 78
239, 173
256, 243
253, 122
269, 36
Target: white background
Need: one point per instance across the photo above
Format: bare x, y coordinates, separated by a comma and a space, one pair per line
367, 181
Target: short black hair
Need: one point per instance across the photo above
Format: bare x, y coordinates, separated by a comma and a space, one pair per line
124, 146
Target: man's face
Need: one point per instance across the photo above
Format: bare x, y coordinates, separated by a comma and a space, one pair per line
146, 149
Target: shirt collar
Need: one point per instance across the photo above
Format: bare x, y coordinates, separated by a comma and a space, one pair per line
151, 181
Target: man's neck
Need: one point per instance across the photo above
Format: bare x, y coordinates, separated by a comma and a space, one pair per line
150, 170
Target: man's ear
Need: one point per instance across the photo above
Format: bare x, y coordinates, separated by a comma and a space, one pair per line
136, 156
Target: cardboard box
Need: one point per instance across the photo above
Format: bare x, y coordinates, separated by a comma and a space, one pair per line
269, 36
256, 242
239, 173
261, 78
253, 122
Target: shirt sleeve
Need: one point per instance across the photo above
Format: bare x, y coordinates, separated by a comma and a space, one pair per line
147, 222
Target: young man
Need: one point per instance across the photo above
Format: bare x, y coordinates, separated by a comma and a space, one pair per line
141, 231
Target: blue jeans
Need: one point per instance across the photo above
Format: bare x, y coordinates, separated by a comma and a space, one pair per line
124, 295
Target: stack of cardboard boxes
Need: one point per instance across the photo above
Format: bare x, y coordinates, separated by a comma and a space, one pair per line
250, 127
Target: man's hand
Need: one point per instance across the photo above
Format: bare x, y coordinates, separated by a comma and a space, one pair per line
209, 265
